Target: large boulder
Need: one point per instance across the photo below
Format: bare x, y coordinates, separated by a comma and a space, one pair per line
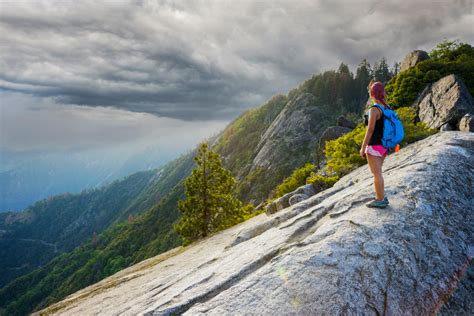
279, 204
302, 193
307, 189
413, 58
444, 102
342, 121
466, 124
327, 255
331, 133
297, 198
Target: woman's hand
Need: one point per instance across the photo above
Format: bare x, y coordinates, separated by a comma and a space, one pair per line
362, 152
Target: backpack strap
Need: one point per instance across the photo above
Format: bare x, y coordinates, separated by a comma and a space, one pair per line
378, 107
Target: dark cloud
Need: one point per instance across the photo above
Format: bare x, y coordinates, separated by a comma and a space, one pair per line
29, 124
198, 60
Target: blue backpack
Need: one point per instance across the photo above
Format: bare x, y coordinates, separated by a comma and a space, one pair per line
393, 132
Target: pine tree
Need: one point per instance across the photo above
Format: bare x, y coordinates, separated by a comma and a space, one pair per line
381, 71
396, 69
209, 205
362, 78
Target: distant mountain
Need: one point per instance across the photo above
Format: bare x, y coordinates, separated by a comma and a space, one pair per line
26, 177
58, 224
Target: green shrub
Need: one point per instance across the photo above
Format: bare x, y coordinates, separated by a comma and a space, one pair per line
413, 131
297, 179
321, 182
343, 153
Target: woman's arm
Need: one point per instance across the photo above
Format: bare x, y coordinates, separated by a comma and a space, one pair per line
373, 116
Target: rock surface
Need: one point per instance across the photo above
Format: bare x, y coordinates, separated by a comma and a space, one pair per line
297, 125
466, 124
279, 204
327, 255
331, 133
413, 58
342, 121
444, 102
302, 192
307, 189
297, 198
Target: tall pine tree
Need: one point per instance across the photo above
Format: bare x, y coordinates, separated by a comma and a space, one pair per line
209, 205
381, 71
362, 78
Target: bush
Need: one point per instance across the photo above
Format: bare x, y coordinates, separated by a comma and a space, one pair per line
321, 182
413, 131
343, 153
297, 179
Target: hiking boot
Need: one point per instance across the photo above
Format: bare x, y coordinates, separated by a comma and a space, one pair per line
378, 204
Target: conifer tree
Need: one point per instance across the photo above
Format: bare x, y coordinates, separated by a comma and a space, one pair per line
209, 205
382, 71
362, 78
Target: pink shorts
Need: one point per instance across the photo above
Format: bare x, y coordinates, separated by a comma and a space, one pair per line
376, 150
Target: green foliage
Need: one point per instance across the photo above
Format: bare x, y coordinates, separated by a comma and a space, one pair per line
343, 91
452, 51
60, 223
413, 131
343, 153
448, 58
295, 180
249, 211
382, 72
209, 205
321, 182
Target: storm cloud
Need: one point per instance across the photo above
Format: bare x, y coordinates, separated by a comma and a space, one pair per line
204, 60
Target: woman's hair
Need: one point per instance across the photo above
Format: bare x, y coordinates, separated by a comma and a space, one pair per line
377, 91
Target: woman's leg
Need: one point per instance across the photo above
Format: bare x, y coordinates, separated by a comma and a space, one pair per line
375, 166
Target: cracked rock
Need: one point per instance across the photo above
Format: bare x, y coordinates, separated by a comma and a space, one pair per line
443, 103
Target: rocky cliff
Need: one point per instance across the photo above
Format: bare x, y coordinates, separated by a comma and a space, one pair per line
326, 255
287, 143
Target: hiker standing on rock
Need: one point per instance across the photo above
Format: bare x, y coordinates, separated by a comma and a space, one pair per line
372, 148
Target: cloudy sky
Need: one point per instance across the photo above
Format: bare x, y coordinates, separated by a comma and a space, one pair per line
83, 74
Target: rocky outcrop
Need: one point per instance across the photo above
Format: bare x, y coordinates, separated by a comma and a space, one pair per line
298, 126
327, 255
444, 102
413, 58
297, 198
286, 200
342, 121
332, 133
466, 123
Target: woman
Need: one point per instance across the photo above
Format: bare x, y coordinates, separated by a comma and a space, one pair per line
372, 146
